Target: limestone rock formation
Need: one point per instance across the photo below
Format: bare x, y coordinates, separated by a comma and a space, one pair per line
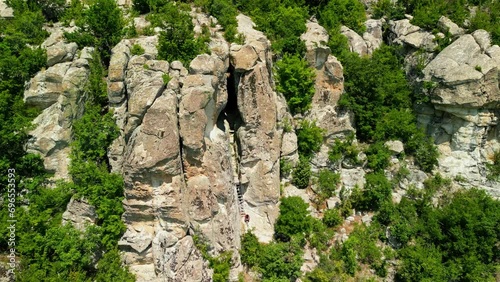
407, 34
369, 41
447, 26
59, 91
259, 136
79, 213
190, 147
465, 96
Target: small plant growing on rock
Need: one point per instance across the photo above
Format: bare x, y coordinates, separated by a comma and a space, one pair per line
286, 167
166, 78
302, 173
494, 168
137, 50
478, 68
327, 182
309, 138
332, 218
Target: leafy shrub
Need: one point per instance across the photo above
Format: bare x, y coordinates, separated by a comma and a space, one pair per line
281, 261
283, 25
378, 156
276, 261
350, 13
388, 9
494, 168
328, 182
376, 191
102, 26
226, 13
423, 149
296, 82
309, 138
286, 167
294, 219
332, 218
320, 235
177, 42
137, 50
250, 250
51, 9
105, 22
344, 150
302, 173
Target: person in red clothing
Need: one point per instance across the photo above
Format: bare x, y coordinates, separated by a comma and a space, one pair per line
247, 218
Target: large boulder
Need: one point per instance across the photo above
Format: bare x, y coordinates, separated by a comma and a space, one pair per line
466, 73
463, 84
407, 34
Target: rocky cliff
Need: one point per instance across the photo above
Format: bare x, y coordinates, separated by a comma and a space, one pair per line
200, 143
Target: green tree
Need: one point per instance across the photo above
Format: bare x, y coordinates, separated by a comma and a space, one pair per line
177, 41
301, 175
350, 13
105, 22
296, 82
328, 182
377, 190
309, 138
294, 219
250, 250
332, 218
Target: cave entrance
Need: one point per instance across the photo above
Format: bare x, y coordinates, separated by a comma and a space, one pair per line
230, 113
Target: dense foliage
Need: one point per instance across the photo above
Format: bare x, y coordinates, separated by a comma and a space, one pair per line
293, 219
49, 250
296, 82
101, 26
177, 41
455, 241
350, 13
281, 21
302, 173
380, 97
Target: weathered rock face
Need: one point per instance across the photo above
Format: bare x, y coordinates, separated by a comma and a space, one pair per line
369, 41
79, 213
329, 86
464, 111
258, 136
188, 147
404, 33
5, 11
160, 196
59, 92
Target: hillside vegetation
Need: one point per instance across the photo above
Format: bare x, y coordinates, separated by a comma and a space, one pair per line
432, 234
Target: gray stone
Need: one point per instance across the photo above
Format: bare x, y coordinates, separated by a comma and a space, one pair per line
356, 43
446, 25
395, 146
79, 213
5, 11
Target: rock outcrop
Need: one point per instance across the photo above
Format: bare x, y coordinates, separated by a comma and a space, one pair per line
59, 91
329, 86
193, 140
463, 82
369, 41
406, 34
